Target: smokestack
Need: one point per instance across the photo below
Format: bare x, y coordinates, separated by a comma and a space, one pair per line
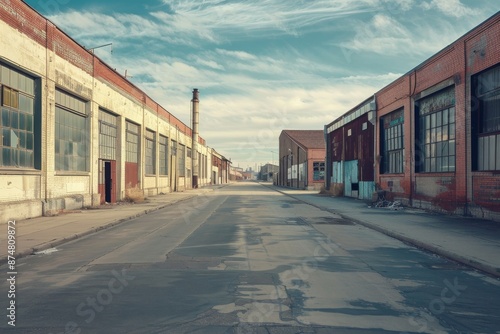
196, 120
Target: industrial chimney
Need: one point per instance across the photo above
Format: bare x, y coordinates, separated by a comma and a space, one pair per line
196, 120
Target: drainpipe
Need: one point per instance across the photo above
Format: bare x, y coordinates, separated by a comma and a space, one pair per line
44, 155
327, 159
194, 155
467, 158
412, 135
376, 137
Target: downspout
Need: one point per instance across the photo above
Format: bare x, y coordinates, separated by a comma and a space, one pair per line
92, 136
412, 135
298, 167
376, 140
44, 155
342, 159
327, 158
467, 158
194, 141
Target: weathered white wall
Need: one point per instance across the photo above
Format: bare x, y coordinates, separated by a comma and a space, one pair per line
49, 191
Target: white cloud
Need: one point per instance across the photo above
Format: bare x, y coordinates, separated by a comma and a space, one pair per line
208, 63
191, 21
276, 16
240, 55
248, 94
386, 35
452, 8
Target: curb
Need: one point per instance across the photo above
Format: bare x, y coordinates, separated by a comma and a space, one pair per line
58, 242
485, 268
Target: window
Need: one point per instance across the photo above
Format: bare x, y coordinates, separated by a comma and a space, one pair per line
17, 112
150, 152
189, 153
72, 134
163, 148
204, 166
318, 171
132, 139
392, 142
181, 160
436, 145
107, 135
486, 120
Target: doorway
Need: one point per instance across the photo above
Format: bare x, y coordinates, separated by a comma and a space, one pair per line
107, 186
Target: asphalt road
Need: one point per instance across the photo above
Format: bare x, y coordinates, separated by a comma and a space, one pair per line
246, 259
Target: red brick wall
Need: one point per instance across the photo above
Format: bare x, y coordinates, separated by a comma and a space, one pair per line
21, 17
482, 51
314, 155
68, 49
474, 52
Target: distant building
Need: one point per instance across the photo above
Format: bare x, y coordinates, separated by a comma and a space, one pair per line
302, 159
220, 168
236, 174
247, 175
267, 172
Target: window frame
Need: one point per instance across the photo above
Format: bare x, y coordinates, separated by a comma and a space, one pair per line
163, 155
181, 160
108, 143
19, 120
150, 152
392, 143
486, 120
72, 126
319, 166
430, 126
132, 142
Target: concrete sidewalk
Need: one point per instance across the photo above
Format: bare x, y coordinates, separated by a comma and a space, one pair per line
470, 241
42, 233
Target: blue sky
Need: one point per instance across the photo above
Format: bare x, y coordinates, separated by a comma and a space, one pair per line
264, 65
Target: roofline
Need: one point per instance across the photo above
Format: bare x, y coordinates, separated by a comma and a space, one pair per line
370, 99
302, 146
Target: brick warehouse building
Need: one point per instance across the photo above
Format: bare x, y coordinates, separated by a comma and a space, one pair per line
350, 153
302, 159
437, 129
75, 133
